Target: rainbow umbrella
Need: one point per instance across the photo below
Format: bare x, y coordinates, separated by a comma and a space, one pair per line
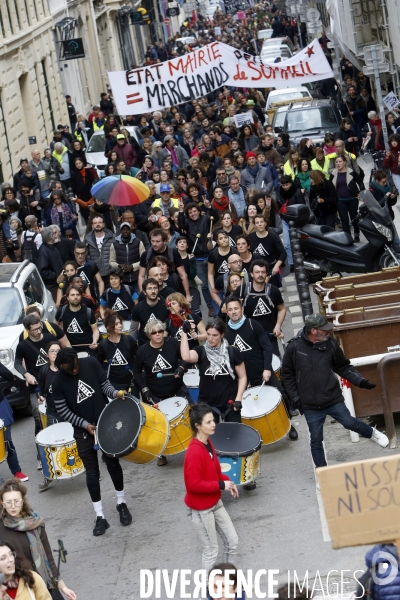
120, 190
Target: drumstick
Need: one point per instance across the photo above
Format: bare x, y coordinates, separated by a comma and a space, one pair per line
96, 443
209, 243
159, 375
198, 236
256, 395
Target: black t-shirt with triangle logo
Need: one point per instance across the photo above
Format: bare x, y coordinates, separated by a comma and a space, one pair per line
156, 361
262, 307
270, 247
120, 301
220, 262
35, 357
82, 392
216, 391
234, 232
76, 324
121, 356
247, 340
143, 313
176, 332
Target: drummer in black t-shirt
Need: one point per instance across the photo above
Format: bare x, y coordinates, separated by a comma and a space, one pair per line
267, 244
158, 369
222, 371
218, 257
147, 310
117, 352
119, 297
80, 392
78, 321
180, 311
48, 327
264, 303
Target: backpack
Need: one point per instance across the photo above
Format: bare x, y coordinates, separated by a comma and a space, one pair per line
47, 326
29, 249
170, 252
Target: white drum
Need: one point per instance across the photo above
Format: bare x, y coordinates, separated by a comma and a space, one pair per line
176, 409
192, 380
83, 354
264, 410
43, 415
58, 452
276, 365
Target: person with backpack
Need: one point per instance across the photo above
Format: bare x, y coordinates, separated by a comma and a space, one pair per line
49, 262
31, 240
47, 326
125, 252
263, 302
117, 352
78, 322
119, 297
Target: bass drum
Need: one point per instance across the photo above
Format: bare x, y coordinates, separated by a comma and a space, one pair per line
267, 413
132, 430
238, 450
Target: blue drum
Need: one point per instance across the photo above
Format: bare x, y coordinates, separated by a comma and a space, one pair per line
238, 450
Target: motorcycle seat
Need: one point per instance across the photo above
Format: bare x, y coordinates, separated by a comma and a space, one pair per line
323, 232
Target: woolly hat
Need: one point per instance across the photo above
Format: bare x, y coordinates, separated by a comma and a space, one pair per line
251, 154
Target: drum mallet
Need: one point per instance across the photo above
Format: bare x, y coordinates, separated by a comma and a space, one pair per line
96, 443
159, 375
281, 337
209, 243
255, 397
198, 236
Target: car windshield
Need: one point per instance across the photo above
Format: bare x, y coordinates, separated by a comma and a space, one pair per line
321, 117
12, 311
288, 96
97, 143
279, 119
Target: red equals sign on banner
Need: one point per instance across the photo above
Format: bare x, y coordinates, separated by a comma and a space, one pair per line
134, 99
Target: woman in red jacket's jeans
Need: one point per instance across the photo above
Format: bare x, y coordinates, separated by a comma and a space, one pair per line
204, 483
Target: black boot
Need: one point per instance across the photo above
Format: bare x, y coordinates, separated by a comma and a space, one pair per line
293, 435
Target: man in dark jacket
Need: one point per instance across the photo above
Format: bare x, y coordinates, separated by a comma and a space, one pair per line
308, 377
125, 253
125, 151
49, 263
354, 107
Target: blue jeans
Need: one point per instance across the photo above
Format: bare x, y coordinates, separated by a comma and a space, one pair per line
286, 242
316, 419
202, 272
12, 458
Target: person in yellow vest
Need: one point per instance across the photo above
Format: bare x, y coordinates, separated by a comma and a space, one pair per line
99, 121
321, 162
82, 133
290, 166
351, 159
165, 202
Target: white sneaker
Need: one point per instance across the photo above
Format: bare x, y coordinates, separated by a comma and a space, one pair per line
380, 438
39, 465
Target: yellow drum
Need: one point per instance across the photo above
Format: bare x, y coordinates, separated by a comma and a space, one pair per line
276, 366
267, 414
132, 430
3, 449
43, 415
176, 410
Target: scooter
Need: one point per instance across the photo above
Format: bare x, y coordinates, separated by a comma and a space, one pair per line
327, 251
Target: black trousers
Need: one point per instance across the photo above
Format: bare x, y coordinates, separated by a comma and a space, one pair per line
85, 443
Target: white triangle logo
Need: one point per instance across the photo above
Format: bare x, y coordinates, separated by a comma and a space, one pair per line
118, 359
224, 268
151, 318
261, 309
178, 335
84, 391
84, 277
42, 358
74, 327
261, 250
161, 365
232, 242
119, 305
220, 371
241, 345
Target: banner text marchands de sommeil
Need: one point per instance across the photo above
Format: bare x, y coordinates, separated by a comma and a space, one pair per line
200, 72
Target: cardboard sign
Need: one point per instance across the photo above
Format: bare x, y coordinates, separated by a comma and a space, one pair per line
217, 30
243, 119
391, 101
362, 501
207, 69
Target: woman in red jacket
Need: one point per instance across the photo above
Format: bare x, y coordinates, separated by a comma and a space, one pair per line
204, 482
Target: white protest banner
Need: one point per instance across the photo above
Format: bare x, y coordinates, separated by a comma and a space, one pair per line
391, 101
217, 30
206, 69
243, 119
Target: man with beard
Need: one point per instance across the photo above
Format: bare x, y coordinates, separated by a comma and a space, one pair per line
78, 321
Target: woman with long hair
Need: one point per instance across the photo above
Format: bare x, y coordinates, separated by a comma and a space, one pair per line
303, 175
17, 579
283, 145
179, 312
221, 202
247, 221
62, 214
165, 224
113, 157
268, 207
329, 145
306, 149
82, 181
23, 530
204, 481
117, 352
239, 161
348, 185
290, 167
248, 138
217, 258
226, 224
148, 166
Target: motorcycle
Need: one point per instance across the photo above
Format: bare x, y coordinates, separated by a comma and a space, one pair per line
327, 251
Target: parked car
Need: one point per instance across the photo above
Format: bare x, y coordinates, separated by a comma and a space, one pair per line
97, 145
20, 286
311, 118
283, 97
265, 34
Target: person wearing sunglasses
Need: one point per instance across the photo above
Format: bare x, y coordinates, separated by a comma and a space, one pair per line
160, 356
24, 536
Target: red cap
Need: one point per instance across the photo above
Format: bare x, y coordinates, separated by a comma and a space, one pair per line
251, 154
